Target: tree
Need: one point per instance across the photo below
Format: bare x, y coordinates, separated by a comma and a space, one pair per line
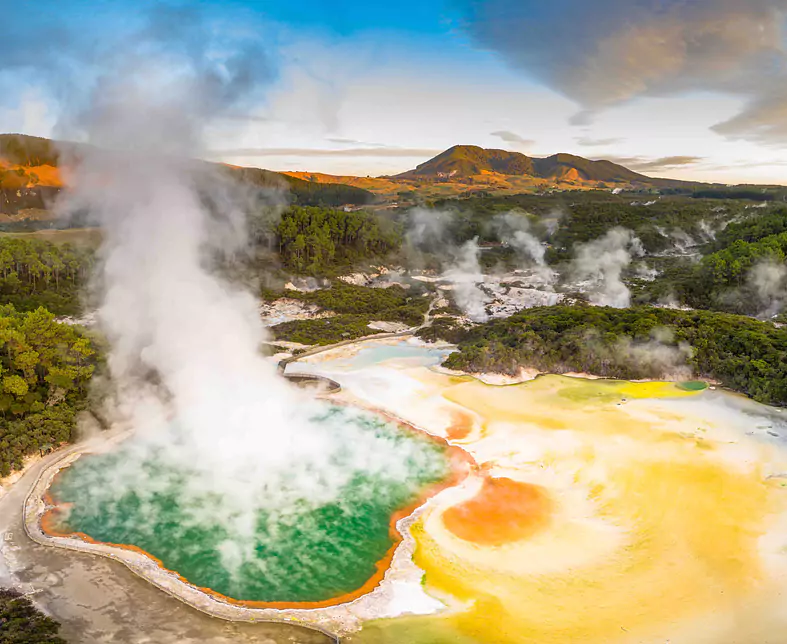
22, 623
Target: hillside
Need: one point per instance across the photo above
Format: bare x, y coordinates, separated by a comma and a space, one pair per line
468, 161
31, 178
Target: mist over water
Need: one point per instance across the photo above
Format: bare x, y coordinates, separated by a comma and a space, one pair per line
185, 368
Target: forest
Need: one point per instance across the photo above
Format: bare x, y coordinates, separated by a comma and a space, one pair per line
322, 331
741, 353
579, 217
37, 273
729, 276
315, 240
22, 623
45, 371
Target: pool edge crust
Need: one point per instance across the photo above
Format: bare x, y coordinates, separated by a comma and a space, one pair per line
337, 615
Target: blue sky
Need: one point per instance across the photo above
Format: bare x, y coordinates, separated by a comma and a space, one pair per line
690, 90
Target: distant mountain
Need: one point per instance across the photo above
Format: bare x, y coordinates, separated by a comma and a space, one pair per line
467, 161
30, 177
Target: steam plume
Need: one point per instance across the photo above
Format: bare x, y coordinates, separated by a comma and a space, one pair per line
769, 281
184, 341
465, 276
600, 264
514, 230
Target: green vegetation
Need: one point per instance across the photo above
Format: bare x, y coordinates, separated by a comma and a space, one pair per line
302, 193
22, 623
443, 328
37, 273
315, 240
324, 331
356, 307
309, 193
743, 354
45, 368
21, 149
394, 303
732, 264
754, 227
587, 215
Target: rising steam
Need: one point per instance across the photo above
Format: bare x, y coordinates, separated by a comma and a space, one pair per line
184, 356
768, 279
599, 265
514, 230
428, 232
465, 276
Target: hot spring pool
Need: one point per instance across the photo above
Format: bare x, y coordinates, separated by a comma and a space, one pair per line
256, 550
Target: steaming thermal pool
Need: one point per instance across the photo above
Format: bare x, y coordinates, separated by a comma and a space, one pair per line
269, 546
598, 511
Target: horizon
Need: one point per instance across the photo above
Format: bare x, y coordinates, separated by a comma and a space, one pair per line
681, 92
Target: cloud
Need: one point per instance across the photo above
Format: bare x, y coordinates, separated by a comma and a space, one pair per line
764, 120
72, 61
386, 152
642, 164
344, 141
607, 52
588, 142
513, 137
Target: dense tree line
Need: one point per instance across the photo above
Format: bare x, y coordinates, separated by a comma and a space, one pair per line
743, 354
311, 193
323, 331
726, 280
22, 623
732, 264
37, 273
313, 240
754, 227
45, 368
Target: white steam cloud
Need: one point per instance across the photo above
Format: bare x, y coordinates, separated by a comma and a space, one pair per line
659, 356
598, 265
428, 232
514, 230
769, 281
184, 354
465, 276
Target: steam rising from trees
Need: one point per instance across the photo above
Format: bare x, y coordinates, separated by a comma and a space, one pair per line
514, 230
465, 276
601, 263
769, 282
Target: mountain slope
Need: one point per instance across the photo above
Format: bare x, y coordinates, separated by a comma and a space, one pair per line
467, 161
31, 177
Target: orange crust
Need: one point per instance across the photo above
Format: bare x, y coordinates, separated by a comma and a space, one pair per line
503, 511
461, 465
461, 425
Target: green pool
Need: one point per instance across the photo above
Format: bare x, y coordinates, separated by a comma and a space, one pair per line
243, 545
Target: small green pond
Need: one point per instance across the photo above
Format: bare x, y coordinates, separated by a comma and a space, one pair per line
254, 549
693, 385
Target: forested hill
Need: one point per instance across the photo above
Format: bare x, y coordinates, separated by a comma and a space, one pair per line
30, 177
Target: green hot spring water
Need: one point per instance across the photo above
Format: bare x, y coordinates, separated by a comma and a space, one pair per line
304, 552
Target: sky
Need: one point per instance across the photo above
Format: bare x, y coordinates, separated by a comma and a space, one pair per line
691, 89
